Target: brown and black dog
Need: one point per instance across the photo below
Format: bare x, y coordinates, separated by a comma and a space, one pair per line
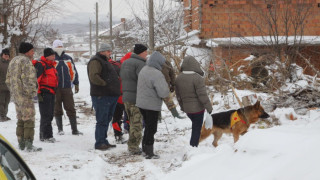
236, 122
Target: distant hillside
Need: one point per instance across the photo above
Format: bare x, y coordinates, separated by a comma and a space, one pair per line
79, 28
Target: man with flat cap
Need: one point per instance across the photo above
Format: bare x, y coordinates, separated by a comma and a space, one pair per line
129, 75
104, 92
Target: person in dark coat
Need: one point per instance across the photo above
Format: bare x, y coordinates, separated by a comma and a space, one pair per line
104, 92
192, 95
4, 91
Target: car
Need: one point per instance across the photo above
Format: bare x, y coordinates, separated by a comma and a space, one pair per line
12, 166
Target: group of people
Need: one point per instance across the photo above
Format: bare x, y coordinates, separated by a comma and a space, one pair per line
136, 86
50, 79
143, 85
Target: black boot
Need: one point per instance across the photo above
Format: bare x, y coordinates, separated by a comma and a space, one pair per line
159, 117
59, 124
149, 153
120, 139
73, 123
175, 113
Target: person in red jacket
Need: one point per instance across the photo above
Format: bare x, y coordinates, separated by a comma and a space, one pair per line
117, 116
126, 125
47, 84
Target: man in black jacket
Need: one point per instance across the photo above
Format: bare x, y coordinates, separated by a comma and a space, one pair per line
104, 91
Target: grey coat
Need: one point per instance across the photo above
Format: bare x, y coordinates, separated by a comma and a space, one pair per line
190, 87
129, 77
152, 85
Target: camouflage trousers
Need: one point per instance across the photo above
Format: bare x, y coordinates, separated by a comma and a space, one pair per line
26, 119
169, 101
135, 133
25, 130
25, 109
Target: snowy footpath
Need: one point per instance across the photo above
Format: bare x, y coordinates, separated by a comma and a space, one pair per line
285, 152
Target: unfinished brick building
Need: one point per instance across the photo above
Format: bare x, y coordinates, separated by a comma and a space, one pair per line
249, 26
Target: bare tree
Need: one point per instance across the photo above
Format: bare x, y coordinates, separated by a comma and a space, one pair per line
27, 18
168, 19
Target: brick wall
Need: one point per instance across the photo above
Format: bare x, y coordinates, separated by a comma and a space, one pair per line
240, 18
234, 18
191, 18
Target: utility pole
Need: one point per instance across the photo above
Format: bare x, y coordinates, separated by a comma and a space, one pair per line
97, 28
90, 38
151, 26
111, 24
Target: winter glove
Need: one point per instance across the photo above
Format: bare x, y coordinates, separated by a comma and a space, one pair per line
40, 98
171, 88
76, 88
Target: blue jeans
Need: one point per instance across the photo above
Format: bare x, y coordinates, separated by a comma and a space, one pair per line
104, 107
197, 120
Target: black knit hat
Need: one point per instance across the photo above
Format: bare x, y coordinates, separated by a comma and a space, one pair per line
48, 52
139, 48
5, 51
25, 47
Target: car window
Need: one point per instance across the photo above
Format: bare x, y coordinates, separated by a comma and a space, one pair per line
12, 165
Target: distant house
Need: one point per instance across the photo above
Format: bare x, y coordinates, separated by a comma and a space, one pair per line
232, 25
77, 50
116, 29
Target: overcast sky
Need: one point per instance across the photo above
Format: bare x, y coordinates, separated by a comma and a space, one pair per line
81, 11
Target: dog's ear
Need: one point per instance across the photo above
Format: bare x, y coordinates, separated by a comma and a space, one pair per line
257, 104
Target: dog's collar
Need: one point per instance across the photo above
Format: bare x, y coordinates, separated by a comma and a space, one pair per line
236, 118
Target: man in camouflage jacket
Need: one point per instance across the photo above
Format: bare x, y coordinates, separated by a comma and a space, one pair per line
170, 75
22, 83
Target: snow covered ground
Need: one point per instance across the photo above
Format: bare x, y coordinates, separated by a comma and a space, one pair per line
285, 152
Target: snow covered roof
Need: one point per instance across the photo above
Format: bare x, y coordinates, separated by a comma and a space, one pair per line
116, 27
262, 40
